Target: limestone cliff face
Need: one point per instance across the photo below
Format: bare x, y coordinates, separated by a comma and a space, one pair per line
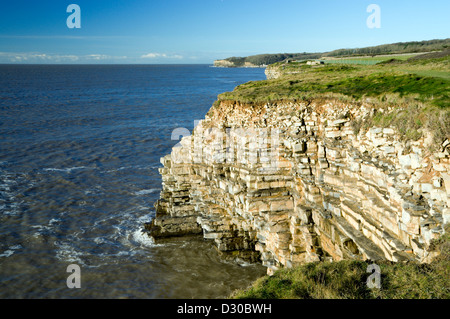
273, 72
288, 183
228, 64
223, 64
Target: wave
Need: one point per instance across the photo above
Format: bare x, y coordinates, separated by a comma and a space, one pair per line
67, 170
147, 191
143, 239
137, 167
10, 251
8, 203
67, 253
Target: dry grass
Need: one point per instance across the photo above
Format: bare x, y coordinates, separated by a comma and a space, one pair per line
348, 280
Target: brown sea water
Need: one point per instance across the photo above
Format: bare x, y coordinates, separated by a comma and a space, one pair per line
79, 158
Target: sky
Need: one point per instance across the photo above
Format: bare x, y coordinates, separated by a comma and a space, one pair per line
200, 31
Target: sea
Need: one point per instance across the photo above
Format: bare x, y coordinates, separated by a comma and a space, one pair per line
80, 148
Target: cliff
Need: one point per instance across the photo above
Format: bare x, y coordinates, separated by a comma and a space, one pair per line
263, 60
232, 64
292, 181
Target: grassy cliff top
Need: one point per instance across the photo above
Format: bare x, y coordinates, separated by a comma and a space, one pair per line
423, 80
348, 280
416, 88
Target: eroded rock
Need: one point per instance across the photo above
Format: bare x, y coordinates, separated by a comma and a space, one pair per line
291, 183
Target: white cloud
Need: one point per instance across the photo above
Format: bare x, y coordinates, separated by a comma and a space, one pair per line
49, 58
153, 55
98, 56
34, 57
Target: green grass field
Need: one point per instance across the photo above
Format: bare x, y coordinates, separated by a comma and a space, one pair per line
368, 60
431, 73
426, 82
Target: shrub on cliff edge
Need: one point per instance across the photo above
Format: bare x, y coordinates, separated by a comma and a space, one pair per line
348, 280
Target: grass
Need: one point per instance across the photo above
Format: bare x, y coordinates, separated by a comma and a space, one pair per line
410, 121
426, 82
433, 73
368, 60
348, 280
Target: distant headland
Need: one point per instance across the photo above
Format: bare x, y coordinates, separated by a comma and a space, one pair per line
263, 60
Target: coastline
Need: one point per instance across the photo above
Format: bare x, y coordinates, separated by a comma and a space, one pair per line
334, 190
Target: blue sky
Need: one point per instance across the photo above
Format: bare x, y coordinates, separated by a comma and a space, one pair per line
200, 31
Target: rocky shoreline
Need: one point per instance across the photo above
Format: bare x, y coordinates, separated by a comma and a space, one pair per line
292, 182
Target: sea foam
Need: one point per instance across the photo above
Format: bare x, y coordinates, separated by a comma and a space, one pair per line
143, 239
147, 191
66, 170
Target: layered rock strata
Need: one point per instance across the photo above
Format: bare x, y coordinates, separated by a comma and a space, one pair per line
229, 64
289, 183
